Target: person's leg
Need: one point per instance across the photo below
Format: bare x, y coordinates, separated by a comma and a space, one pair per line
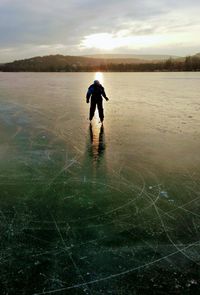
100, 109
92, 109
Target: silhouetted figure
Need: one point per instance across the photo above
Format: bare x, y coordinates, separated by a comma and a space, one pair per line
95, 92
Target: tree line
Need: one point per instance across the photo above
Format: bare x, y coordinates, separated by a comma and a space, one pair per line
190, 63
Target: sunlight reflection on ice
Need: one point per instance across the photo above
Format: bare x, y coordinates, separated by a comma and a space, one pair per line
99, 76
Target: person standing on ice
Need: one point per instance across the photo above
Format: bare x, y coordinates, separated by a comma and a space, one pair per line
95, 93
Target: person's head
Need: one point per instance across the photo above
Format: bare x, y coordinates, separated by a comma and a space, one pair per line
96, 82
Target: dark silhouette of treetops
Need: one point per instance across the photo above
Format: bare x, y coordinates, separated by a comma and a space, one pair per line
60, 63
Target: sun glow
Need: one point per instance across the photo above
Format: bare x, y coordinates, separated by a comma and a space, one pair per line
106, 41
100, 41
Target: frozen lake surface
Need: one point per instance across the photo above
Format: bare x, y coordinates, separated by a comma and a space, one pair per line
100, 210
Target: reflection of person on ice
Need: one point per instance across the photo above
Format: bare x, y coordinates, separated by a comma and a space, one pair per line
96, 91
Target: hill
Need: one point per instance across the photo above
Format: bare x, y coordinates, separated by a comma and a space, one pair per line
197, 54
145, 57
110, 63
65, 63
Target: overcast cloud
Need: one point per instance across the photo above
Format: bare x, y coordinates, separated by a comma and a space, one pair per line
40, 27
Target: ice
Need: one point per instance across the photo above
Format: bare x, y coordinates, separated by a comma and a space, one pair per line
92, 209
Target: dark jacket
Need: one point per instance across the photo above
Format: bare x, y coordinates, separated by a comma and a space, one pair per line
95, 91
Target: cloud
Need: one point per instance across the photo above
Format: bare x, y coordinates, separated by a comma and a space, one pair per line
26, 26
175, 28
55, 21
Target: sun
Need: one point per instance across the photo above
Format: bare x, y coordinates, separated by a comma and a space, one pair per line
102, 41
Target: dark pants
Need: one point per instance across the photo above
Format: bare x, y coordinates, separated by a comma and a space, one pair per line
99, 104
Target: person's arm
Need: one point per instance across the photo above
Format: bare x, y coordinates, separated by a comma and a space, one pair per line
104, 94
89, 93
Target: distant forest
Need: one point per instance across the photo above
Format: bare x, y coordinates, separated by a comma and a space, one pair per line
65, 64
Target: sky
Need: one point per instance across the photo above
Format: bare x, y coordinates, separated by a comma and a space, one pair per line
82, 27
